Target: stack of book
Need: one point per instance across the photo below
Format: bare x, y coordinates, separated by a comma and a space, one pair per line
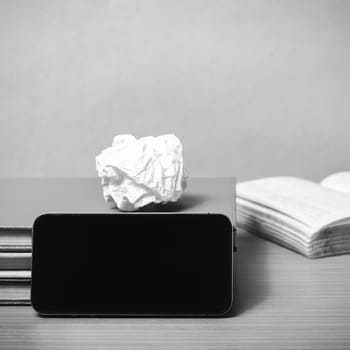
15, 265
23, 200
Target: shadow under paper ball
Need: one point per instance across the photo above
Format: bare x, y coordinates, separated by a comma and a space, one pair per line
186, 202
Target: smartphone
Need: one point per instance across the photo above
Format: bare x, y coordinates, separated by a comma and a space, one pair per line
132, 264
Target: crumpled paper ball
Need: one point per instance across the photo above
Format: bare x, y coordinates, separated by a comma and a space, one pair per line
137, 172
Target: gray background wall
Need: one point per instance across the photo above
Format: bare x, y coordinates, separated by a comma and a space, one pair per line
252, 88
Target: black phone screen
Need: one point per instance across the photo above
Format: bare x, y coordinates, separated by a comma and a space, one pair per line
132, 264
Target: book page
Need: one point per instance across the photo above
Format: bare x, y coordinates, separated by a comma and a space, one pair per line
338, 182
285, 224
303, 200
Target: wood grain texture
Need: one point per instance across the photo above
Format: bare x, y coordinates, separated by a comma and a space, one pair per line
283, 301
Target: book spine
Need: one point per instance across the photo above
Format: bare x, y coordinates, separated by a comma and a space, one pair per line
15, 261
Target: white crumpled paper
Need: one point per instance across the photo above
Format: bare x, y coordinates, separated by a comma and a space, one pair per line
136, 172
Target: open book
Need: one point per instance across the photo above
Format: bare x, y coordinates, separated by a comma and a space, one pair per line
310, 218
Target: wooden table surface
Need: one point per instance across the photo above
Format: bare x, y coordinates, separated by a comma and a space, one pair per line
283, 301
